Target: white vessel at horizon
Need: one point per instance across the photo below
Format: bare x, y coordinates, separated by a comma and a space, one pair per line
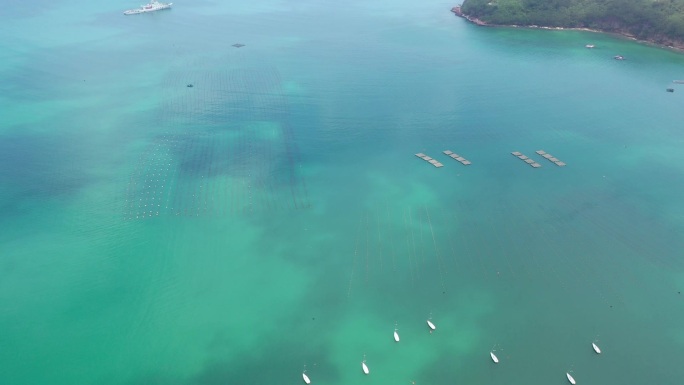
154, 5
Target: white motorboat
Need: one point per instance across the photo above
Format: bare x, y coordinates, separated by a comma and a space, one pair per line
306, 378
596, 348
154, 5
431, 325
494, 357
396, 335
570, 378
364, 367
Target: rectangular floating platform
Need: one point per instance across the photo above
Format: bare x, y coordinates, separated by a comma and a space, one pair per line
551, 158
525, 159
429, 160
457, 157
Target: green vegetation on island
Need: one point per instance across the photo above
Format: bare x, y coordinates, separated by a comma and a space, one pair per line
658, 21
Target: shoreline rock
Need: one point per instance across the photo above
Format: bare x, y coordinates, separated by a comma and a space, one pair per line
457, 11
677, 46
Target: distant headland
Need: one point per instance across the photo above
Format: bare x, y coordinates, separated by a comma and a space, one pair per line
656, 22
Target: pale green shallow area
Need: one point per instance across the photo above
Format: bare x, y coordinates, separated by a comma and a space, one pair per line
273, 216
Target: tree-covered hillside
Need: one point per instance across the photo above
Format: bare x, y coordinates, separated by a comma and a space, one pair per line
660, 21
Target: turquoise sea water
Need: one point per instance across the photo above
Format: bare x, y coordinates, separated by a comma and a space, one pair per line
273, 217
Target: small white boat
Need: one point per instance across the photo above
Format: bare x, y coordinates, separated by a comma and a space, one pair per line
396, 335
596, 348
306, 378
365, 367
431, 325
590, 46
154, 5
494, 357
570, 378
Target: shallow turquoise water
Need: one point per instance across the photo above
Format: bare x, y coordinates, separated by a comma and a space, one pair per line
273, 217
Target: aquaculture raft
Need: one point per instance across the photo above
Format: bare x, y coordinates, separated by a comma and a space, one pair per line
429, 160
457, 157
525, 159
550, 157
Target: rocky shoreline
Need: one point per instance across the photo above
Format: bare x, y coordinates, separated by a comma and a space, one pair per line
457, 10
674, 45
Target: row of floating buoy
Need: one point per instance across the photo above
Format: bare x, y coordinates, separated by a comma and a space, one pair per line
456, 157
517, 154
431, 325
533, 163
426, 158
550, 158
448, 153
525, 159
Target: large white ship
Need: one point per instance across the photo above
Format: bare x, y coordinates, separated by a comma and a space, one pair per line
154, 5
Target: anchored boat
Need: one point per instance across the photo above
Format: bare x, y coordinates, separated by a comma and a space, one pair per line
154, 5
364, 367
494, 357
306, 378
431, 325
596, 348
396, 335
570, 378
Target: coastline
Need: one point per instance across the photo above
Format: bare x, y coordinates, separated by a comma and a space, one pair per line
676, 46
